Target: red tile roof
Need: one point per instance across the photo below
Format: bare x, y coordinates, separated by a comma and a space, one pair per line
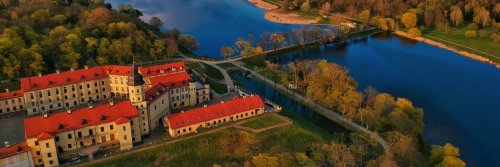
11, 94
155, 92
44, 136
171, 80
63, 78
162, 69
14, 150
203, 114
63, 121
70, 77
118, 70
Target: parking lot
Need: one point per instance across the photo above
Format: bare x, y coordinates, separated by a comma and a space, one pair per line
12, 127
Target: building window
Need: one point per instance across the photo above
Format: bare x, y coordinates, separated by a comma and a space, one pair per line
124, 128
102, 129
37, 152
57, 138
69, 136
36, 143
111, 127
51, 162
49, 154
47, 145
70, 146
124, 137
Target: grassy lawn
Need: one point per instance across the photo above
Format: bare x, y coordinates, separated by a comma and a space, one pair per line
230, 147
274, 2
213, 72
226, 65
456, 35
263, 122
217, 87
193, 65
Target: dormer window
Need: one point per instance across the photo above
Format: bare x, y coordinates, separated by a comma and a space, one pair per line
68, 80
103, 117
84, 121
60, 126
50, 83
96, 74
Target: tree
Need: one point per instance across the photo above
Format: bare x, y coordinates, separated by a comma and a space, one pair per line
340, 155
365, 15
156, 22
226, 51
409, 19
446, 156
188, 42
172, 48
481, 16
325, 9
175, 33
158, 49
11, 66
264, 160
277, 39
456, 16
306, 6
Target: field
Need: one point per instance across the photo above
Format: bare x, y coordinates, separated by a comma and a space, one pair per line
262, 122
456, 35
231, 147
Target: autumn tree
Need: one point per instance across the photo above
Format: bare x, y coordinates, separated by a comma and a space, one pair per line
264, 160
365, 15
446, 156
481, 16
188, 42
409, 19
226, 51
277, 39
456, 16
172, 48
158, 49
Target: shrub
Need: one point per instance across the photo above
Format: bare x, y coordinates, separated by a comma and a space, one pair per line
496, 37
472, 27
414, 32
471, 34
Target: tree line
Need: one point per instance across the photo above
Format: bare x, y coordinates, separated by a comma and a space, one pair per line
40, 36
275, 40
414, 15
395, 119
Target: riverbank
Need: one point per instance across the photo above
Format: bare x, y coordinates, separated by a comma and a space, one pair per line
274, 15
444, 46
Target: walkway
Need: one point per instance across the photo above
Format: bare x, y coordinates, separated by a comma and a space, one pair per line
339, 119
227, 78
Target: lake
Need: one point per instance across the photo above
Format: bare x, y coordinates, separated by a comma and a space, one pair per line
460, 96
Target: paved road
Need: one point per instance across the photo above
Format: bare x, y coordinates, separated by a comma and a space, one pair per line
227, 78
341, 120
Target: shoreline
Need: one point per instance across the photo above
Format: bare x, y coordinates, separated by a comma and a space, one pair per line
272, 14
446, 47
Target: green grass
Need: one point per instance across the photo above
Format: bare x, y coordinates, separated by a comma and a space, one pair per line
274, 2
263, 122
193, 65
456, 35
217, 87
230, 146
213, 72
226, 65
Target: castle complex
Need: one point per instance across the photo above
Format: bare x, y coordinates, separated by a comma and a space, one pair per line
110, 107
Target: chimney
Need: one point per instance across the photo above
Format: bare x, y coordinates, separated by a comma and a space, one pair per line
39, 74
72, 69
86, 67
58, 71
7, 144
222, 101
182, 111
91, 105
7, 90
68, 110
157, 93
204, 105
111, 102
45, 115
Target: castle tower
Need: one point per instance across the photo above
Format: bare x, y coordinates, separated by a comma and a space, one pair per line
135, 85
137, 98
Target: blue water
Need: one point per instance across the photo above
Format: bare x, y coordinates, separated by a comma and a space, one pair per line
460, 96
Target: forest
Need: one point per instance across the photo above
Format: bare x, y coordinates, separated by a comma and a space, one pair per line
478, 17
40, 36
